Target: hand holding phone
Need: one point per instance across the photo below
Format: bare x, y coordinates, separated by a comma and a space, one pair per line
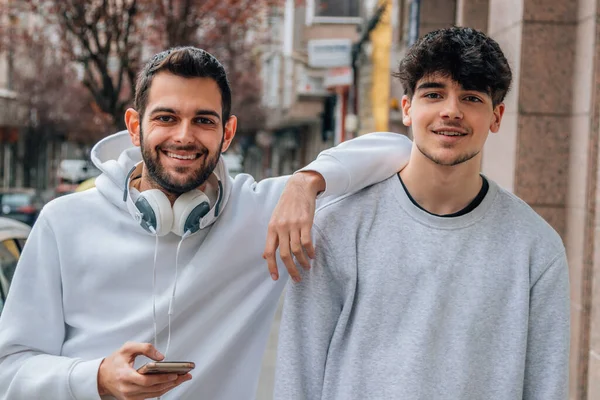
118, 378
166, 367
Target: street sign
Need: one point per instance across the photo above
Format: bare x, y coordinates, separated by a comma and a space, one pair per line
340, 76
328, 53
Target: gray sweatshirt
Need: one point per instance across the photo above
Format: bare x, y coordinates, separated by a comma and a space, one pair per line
402, 304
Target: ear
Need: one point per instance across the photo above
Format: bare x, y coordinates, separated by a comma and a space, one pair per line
132, 121
406, 120
230, 128
497, 118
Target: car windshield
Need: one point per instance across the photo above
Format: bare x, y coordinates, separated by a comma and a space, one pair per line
9, 256
16, 199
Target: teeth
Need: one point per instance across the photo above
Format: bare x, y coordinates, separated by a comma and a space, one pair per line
445, 133
173, 155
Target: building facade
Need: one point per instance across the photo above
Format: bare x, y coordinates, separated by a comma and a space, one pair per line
306, 81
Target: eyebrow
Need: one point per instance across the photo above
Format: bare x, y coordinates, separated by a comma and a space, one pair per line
198, 112
431, 85
438, 85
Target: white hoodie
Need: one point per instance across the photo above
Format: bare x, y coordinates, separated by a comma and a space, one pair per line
83, 286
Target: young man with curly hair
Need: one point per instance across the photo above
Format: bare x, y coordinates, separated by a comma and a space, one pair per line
443, 285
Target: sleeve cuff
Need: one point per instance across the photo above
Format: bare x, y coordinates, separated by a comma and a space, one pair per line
337, 178
83, 380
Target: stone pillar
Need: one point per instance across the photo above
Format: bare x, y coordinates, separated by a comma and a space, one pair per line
582, 212
589, 337
547, 149
473, 13
436, 14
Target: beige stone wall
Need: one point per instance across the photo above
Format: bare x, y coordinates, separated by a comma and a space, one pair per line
436, 14
547, 149
473, 13
499, 156
588, 13
581, 203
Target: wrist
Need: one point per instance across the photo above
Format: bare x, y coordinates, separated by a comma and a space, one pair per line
311, 180
101, 388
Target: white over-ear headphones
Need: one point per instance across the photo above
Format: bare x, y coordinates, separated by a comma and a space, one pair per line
156, 215
184, 216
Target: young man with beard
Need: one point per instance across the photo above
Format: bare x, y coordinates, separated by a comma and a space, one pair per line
166, 250
445, 286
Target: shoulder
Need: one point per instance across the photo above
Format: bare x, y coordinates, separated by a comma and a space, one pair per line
349, 211
72, 204
525, 225
527, 219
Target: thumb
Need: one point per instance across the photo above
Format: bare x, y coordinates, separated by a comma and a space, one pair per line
145, 349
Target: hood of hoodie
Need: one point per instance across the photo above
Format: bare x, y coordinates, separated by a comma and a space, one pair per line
115, 156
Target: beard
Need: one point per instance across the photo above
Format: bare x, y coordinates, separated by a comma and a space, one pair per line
459, 159
195, 178
447, 163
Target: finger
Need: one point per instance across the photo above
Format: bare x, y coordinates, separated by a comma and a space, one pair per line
306, 240
270, 253
297, 249
162, 386
132, 349
151, 380
179, 381
286, 256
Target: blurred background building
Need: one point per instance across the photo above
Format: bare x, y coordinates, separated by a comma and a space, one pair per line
307, 75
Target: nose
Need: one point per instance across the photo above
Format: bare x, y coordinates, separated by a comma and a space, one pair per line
451, 109
183, 133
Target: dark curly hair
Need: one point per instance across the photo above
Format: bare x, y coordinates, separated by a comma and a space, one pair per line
465, 55
187, 62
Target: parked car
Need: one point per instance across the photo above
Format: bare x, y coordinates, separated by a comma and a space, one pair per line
12, 239
21, 204
87, 184
76, 171
64, 188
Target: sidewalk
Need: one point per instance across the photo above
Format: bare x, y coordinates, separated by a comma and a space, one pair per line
265, 384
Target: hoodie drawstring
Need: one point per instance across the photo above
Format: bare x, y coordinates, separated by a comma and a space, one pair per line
172, 301
154, 289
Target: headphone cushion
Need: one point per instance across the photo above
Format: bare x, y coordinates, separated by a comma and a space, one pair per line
156, 209
188, 209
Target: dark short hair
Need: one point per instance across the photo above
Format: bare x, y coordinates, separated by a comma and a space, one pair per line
187, 62
465, 55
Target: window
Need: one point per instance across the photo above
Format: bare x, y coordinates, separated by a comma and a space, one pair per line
333, 12
337, 8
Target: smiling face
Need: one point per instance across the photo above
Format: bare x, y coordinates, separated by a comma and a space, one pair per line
181, 132
450, 124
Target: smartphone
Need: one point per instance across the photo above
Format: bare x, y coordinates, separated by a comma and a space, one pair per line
166, 367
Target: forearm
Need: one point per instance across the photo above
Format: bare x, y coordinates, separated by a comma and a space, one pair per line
361, 162
29, 375
311, 180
